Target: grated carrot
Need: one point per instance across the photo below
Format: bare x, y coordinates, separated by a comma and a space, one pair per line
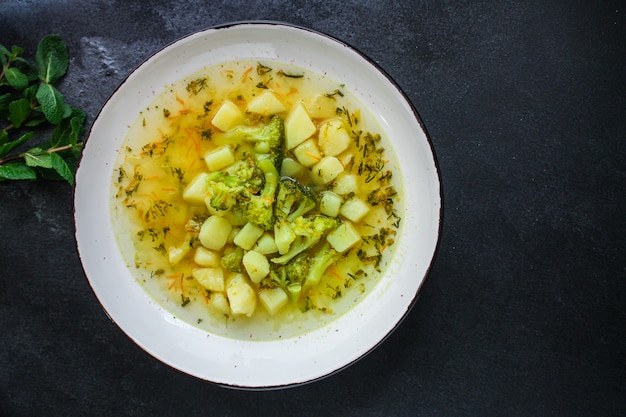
245, 74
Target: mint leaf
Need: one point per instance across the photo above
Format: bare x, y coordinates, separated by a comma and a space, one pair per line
4, 51
51, 101
17, 170
69, 130
61, 167
19, 110
77, 121
52, 59
5, 99
37, 157
7, 147
16, 78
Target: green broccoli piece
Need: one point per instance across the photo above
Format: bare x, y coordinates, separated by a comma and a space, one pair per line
324, 258
289, 276
232, 258
248, 174
309, 231
222, 197
267, 139
293, 199
224, 191
315, 226
259, 209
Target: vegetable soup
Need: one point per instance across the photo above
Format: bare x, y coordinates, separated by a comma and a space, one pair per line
256, 200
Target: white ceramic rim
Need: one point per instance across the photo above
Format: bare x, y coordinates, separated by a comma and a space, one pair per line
258, 364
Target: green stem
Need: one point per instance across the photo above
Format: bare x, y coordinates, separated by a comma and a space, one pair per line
51, 150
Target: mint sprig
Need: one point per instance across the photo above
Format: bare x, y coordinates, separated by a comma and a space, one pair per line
29, 100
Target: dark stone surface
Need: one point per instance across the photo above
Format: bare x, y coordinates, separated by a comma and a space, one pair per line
524, 312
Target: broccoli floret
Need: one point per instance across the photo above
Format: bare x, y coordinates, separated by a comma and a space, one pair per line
232, 258
223, 197
259, 209
267, 139
289, 277
318, 265
309, 231
315, 226
293, 199
248, 174
297, 269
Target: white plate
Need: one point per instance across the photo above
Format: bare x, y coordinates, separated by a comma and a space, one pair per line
258, 364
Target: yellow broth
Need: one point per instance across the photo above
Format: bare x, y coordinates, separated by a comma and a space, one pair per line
164, 151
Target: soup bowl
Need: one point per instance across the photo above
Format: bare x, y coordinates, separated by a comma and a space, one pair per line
236, 362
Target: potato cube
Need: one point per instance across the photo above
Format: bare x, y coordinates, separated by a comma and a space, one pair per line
210, 278
298, 126
343, 237
241, 296
197, 188
227, 116
333, 137
322, 107
266, 244
176, 254
247, 236
219, 158
266, 104
354, 209
214, 232
330, 203
219, 303
257, 266
326, 170
205, 257
291, 168
346, 184
307, 153
273, 299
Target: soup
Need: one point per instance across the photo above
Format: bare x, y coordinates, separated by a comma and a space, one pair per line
256, 200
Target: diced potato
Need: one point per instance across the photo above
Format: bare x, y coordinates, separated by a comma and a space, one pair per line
210, 278
266, 244
197, 188
343, 237
298, 126
326, 170
322, 107
291, 168
214, 232
176, 254
354, 209
346, 184
247, 236
219, 158
241, 296
273, 299
257, 266
266, 104
333, 137
205, 257
330, 203
227, 116
218, 302
307, 153
283, 237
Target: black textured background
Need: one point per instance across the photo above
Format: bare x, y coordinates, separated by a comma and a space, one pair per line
524, 312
